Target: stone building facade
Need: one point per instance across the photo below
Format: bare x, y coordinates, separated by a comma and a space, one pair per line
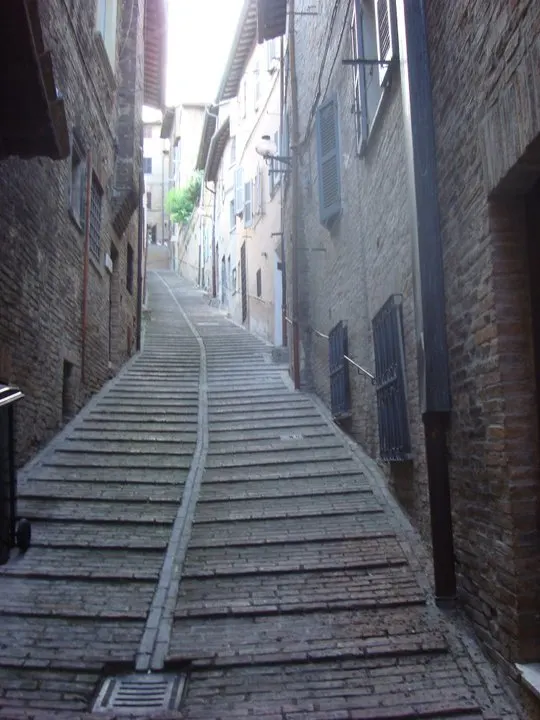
69, 231
349, 269
486, 105
355, 249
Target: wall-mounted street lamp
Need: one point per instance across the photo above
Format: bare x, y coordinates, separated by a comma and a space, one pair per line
267, 149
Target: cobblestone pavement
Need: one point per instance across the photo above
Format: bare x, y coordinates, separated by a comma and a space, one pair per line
200, 514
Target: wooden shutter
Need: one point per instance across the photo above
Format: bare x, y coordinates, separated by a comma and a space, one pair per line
259, 192
248, 210
386, 36
238, 191
359, 78
328, 160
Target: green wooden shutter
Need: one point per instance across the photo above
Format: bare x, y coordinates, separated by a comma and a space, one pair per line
328, 160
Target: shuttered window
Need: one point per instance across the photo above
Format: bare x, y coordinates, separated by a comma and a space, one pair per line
328, 161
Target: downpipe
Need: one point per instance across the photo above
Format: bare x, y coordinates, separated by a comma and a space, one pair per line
428, 279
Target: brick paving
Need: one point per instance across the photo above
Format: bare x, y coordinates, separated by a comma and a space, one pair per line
199, 512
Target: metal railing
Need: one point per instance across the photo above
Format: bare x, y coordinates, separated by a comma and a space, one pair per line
359, 368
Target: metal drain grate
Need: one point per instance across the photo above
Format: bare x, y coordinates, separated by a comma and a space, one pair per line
138, 694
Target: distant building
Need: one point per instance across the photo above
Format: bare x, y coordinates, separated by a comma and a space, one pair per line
69, 227
245, 253
183, 126
157, 181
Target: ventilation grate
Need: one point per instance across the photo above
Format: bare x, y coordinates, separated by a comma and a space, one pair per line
139, 694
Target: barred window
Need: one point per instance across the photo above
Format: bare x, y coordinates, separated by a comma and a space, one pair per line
96, 201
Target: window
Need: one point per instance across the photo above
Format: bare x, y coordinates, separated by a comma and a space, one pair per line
328, 161
149, 200
248, 210
106, 27
259, 283
373, 35
390, 382
233, 280
96, 201
257, 86
272, 55
242, 98
129, 270
77, 196
232, 217
233, 151
147, 165
147, 131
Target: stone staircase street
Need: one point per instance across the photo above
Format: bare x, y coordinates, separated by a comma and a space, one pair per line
200, 517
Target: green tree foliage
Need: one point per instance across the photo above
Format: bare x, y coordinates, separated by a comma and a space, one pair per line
180, 202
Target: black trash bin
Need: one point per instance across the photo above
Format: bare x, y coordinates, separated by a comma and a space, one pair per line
14, 532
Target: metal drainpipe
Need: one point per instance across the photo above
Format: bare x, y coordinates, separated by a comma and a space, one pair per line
428, 277
84, 320
282, 102
294, 199
140, 240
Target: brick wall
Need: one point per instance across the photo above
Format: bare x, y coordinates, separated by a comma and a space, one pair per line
349, 272
41, 273
484, 64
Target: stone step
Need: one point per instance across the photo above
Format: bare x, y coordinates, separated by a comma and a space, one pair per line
238, 510
299, 557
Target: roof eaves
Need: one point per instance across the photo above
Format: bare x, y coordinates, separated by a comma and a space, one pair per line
217, 148
240, 53
271, 19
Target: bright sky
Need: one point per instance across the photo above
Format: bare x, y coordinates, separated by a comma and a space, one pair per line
200, 37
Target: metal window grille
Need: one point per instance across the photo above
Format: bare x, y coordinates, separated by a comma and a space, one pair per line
394, 437
340, 395
129, 269
96, 198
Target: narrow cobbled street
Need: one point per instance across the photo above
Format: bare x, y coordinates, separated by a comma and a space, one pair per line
200, 518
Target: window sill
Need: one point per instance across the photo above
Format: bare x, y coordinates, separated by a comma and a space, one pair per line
105, 60
530, 677
76, 221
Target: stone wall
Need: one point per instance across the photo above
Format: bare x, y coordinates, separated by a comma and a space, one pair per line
348, 273
43, 246
486, 94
